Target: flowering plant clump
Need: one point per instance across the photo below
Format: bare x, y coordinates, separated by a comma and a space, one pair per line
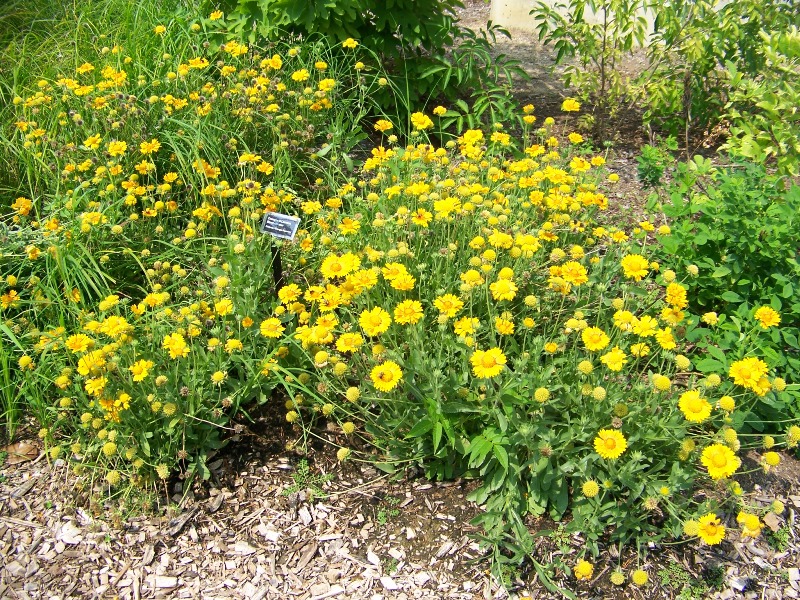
132, 268
460, 306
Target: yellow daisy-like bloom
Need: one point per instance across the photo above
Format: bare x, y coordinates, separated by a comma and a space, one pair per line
615, 359
421, 121
408, 312
767, 317
349, 342
594, 338
176, 344
751, 525
635, 266
271, 328
487, 363
676, 296
541, 394
710, 529
610, 443
375, 321
720, 461
694, 407
748, 372
141, 369
590, 488
503, 289
80, 342
639, 577
570, 105
217, 377
772, 459
574, 272
349, 43
583, 570
386, 376
448, 305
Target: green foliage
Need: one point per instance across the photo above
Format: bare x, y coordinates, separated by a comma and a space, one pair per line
305, 480
599, 34
652, 162
739, 226
779, 540
765, 124
407, 37
686, 86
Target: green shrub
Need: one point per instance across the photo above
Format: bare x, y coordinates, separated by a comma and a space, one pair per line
740, 227
765, 124
428, 54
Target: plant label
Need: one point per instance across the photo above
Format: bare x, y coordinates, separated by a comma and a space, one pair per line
283, 227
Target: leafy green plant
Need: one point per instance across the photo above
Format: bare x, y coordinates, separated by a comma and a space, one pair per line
765, 125
598, 34
737, 227
652, 162
686, 85
305, 480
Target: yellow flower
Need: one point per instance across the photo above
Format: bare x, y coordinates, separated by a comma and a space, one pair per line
375, 321
634, 266
710, 529
448, 305
751, 525
615, 359
541, 394
176, 344
216, 15
349, 342
349, 43
217, 377
408, 312
694, 407
383, 125
676, 296
271, 328
710, 318
503, 289
583, 570
421, 121
159, 29
386, 376
141, 369
590, 488
116, 148
594, 338
639, 577
570, 105
720, 461
439, 111
224, 307
767, 317
748, 372
487, 364
610, 443
79, 342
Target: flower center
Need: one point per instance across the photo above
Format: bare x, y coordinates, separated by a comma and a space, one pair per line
719, 460
488, 361
695, 405
610, 443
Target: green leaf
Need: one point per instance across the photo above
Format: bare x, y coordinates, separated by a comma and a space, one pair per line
709, 365
501, 455
721, 272
730, 296
421, 428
